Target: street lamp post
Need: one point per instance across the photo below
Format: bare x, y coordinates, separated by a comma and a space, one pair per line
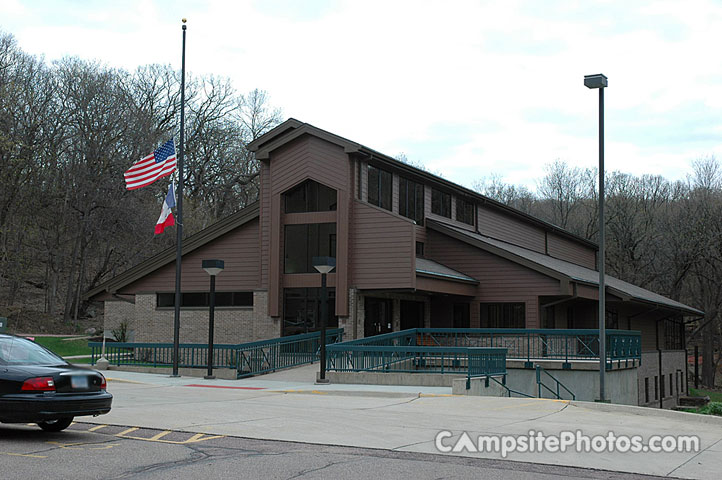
324, 265
212, 268
599, 82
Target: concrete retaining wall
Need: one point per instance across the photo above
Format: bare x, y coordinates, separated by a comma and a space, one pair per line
620, 385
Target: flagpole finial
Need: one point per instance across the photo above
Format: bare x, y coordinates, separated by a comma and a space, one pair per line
184, 20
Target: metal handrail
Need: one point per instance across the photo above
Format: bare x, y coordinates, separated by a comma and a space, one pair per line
509, 391
540, 384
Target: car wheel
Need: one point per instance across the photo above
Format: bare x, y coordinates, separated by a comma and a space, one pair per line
56, 425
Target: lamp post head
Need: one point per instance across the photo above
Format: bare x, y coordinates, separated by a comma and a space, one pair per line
324, 264
595, 81
213, 267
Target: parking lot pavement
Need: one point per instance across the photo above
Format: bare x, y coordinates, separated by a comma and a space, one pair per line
399, 419
88, 451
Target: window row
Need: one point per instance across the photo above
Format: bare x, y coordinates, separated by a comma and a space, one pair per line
411, 198
202, 299
311, 196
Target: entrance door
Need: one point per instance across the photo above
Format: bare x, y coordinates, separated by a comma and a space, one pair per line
462, 316
412, 314
378, 313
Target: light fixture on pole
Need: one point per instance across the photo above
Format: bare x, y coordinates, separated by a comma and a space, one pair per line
323, 265
599, 82
212, 268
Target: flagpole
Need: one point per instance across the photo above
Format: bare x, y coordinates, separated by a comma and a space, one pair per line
179, 211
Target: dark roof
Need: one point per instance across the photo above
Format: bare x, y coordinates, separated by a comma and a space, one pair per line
292, 129
557, 268
168, 255
427, 267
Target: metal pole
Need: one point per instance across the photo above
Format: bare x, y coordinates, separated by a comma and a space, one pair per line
602, 290
179, 211
696, 366
211, 315
324, 314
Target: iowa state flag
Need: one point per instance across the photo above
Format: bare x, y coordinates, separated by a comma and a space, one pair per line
166, 215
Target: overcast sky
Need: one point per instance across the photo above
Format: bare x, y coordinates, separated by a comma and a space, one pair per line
468, 88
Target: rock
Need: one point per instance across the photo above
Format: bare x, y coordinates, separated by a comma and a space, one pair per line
91, 331
686, 401
102, 364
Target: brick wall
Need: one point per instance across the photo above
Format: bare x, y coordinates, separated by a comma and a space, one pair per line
231, 325
117, 312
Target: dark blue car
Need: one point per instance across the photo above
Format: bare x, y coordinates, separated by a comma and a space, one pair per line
37, 386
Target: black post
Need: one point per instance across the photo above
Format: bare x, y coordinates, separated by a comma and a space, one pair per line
696, 366
179, 212
602, 289
324, 322
211, 314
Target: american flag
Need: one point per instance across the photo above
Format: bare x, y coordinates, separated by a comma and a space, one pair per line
147, 170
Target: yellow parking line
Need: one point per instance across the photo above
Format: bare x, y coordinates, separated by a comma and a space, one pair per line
97, 427
133, 429
23, 455
120, 380
201, 437
159, 435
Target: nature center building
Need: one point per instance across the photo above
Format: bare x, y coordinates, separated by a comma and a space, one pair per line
412, 250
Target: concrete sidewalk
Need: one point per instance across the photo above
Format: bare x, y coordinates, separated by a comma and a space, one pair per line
289, 406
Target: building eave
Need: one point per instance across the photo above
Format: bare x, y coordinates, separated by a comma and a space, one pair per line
168, 255
292, 129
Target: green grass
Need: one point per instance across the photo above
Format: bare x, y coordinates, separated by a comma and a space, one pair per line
713, 396
63, 347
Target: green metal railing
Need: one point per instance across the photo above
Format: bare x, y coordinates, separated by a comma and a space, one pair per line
246, 358
623, 346
354, 356
556, 392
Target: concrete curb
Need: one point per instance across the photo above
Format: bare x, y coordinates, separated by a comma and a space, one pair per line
355, 393
648, 412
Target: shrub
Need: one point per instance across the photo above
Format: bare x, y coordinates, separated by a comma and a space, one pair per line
712, 408
121, 333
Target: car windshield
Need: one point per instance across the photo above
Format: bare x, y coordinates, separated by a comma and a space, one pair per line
19, 351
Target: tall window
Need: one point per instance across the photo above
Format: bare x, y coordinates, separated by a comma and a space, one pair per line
464, 211
302, 310
310, 196
503, 315
380, 186
303, 242
411, 200
673, 335
440, 203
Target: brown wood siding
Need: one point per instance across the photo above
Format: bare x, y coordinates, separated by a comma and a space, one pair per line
436, 285
265, 222
308, 158
507, 228
566, 249
500, 280
383, 249
238, 249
